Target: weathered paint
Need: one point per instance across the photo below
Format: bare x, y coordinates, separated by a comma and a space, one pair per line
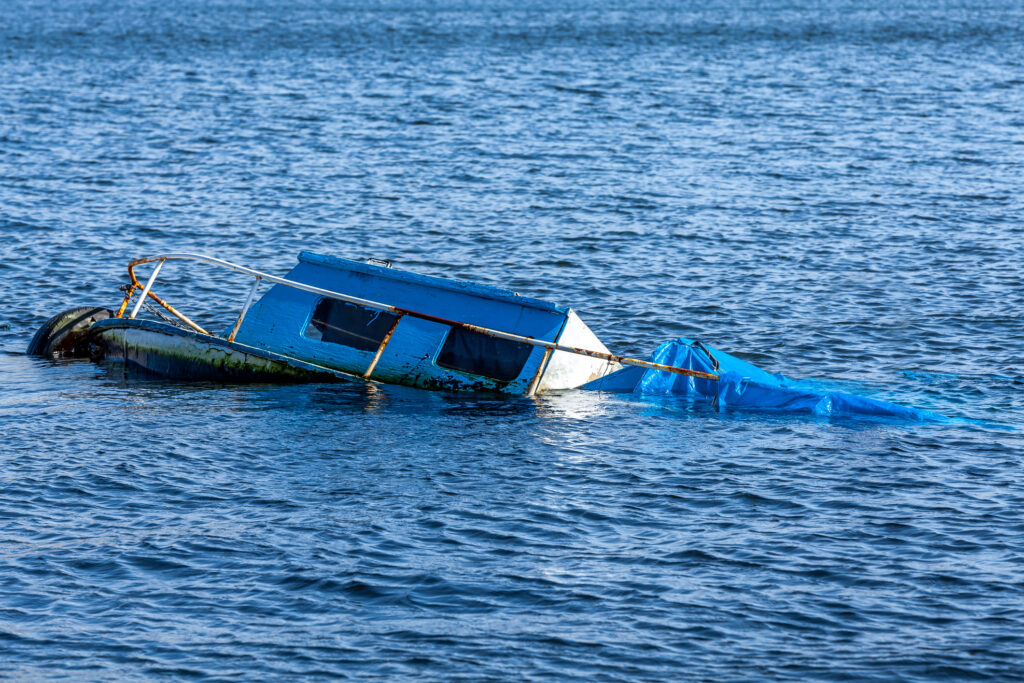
539, 374
181, 354
294, 300
279, 319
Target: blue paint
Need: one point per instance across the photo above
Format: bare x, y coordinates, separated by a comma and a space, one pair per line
278, 321
491, 307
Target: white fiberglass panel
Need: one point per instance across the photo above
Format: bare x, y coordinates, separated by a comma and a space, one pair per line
569, 370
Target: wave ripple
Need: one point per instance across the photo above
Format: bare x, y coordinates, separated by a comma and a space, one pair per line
831, 192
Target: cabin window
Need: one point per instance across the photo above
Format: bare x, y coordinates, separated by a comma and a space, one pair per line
339, 322
481, 354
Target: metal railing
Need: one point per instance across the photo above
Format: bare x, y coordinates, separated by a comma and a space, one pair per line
396, 310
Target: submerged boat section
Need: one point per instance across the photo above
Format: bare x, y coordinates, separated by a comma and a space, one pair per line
170, 351
333, 319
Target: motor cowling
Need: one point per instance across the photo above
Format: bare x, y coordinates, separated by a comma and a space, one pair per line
67, 334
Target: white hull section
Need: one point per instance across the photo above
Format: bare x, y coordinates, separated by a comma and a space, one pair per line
568, 370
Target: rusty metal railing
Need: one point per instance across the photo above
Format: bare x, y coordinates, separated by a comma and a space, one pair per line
326, 293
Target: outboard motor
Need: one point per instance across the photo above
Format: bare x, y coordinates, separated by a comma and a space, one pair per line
66, 335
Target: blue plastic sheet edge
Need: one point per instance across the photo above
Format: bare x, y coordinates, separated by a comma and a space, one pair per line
745, 386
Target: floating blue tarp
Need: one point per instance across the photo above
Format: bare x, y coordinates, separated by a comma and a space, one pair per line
742, 385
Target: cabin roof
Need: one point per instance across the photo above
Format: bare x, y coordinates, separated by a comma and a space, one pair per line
428, 281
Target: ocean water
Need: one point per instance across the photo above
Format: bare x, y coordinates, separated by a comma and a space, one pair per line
831, 190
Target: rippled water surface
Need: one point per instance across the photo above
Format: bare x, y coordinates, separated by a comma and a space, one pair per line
832, 191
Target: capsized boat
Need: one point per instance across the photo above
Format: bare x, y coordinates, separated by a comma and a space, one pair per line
332, 319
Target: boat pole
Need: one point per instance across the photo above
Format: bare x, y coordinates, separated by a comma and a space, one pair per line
245, 308
145, 290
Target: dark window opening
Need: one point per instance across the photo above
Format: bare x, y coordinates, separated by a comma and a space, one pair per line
481, 354
340, 322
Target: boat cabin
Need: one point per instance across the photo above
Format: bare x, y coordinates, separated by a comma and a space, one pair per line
429, 341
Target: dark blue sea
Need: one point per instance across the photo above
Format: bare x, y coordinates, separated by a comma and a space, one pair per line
831, 190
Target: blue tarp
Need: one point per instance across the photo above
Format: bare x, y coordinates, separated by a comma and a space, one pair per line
742, 385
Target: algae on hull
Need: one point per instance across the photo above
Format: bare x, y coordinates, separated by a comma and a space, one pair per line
175, 353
